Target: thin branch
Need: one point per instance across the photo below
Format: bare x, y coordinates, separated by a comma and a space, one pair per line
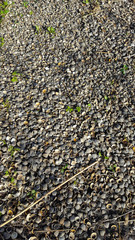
50, 230
118, 216
39, 200
130, 220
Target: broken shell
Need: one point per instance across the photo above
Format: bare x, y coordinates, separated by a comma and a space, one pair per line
38, 195
117, 169
33, 238
92, 185
109, 206
111, 180
119, 180
71, 236
114, 227
92, 134
19, 177
92, 176
118, 199
94, 235
85, 221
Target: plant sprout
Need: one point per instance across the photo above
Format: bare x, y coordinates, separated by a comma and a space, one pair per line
3, 10
64, 168
78, 109
69, 109
14, 78
124, 69
31, 194
86, 1
6, 104
37, 29
25, 4
112, 168
51, 31
12, 150
1, 41
100, 155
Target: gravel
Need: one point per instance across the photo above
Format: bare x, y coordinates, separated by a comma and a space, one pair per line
67, 99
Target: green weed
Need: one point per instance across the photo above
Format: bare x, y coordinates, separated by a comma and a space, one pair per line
78, 109
89, 105
6, 104
86, 1
106, 98
3, 10
7, 173
112, 82
100, 155
30, 12
11, 178
1, 41
4, 142
124, 69
15, 75
113, 168
37, 29
25, 4
31, 194
64, 168
12, 150
75, 182
69, 109
51, 31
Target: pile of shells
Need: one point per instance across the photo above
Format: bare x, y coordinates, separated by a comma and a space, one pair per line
67, 101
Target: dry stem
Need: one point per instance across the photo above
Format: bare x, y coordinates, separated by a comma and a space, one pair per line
59, 186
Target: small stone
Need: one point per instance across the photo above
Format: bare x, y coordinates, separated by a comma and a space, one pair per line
106, 225
36, 105
33, 238
67, 224
71, 236
14, 235
44, 91
94, 235
102, 233
25, 122
134, 149
103, 196
40, 121
59, 162
10, 212
57, 151
7, 138
6, 235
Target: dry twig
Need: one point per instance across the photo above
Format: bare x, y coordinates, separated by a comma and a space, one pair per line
115, 218
39, 200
